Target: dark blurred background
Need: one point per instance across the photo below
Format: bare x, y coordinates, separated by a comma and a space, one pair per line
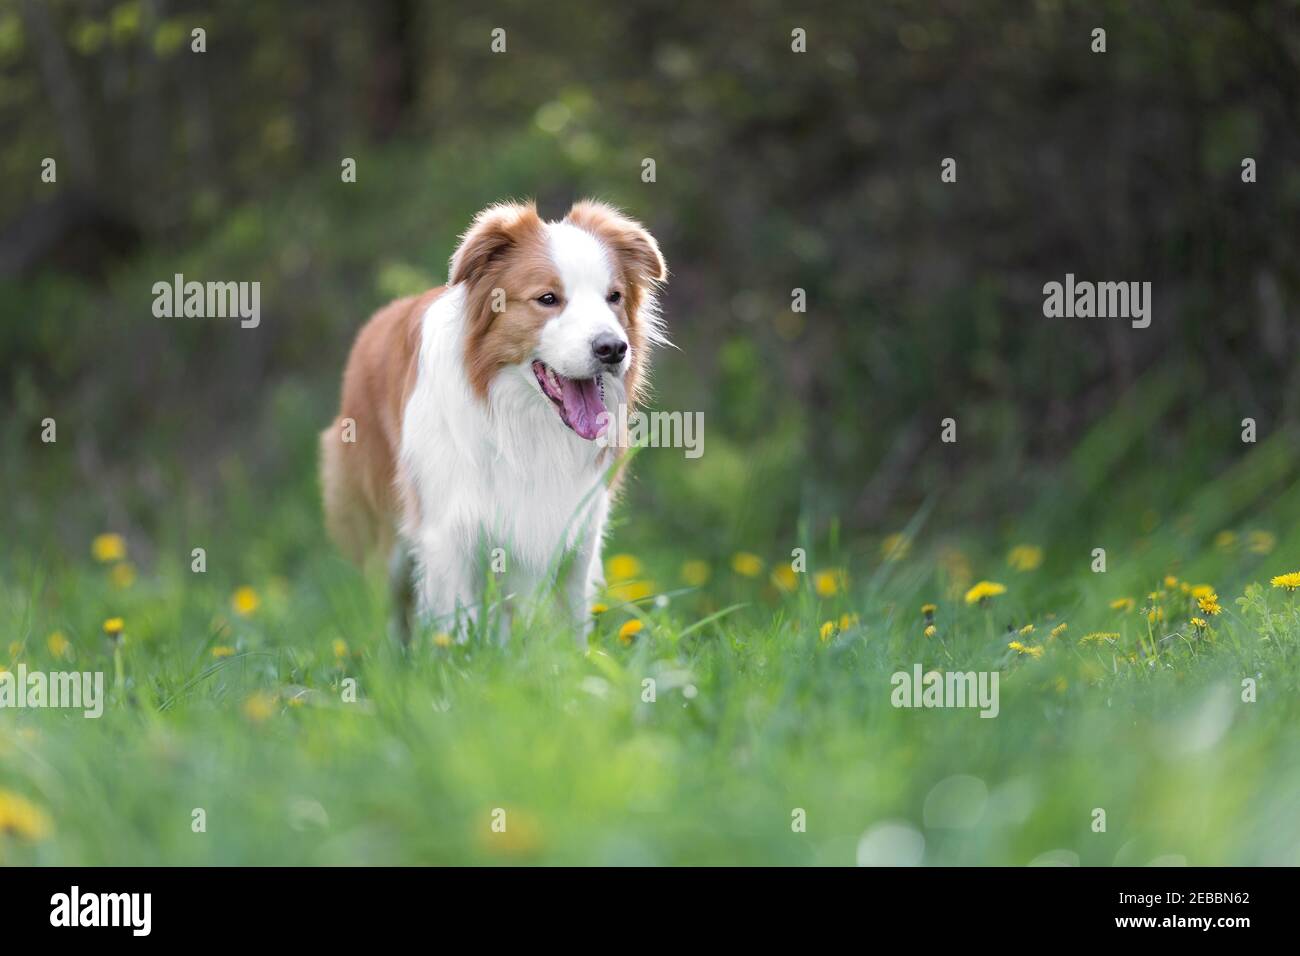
775, 170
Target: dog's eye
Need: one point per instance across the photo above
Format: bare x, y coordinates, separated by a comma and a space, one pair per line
614, 297
548, 298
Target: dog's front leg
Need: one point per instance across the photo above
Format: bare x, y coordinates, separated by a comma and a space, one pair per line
401, 591
586, 575
445, 584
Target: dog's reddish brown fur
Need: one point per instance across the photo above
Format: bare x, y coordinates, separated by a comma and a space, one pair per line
504, 249
359, 479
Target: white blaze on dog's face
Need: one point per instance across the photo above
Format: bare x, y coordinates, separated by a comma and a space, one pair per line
584, 340
570, 304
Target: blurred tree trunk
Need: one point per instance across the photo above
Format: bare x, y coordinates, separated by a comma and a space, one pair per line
147, 146
200, 136
65, 97
392, 79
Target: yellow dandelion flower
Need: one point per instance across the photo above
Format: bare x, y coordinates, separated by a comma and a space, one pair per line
1155, 614
895, 547
829, 583
1025, 557
245, 602
58, 644
621, 567
223, 650
1225, 540
827, 630
1290, 581
1171, 582
1123, 604
984, 590
113, 626
340, 647
746, 564
1202, 590
930, 630
1059, 629
598, 608
1029, 649
122, 575
1210, 605
442, 639
785, 578
1261, 542
21, 818
1097, 637
630, 630
107, 548
696, 573
259, 706
927, 610
625, 592
848, 621
1199, 623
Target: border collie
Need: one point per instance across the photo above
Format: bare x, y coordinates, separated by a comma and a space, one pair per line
474, 420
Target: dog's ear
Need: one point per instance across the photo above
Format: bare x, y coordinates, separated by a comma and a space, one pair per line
493, 233
627, 238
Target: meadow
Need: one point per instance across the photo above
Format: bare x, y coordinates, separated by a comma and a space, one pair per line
264, 693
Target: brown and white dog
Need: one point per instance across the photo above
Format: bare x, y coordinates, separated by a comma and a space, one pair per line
474, 417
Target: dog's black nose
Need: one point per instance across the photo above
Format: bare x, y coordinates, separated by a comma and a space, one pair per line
609, 348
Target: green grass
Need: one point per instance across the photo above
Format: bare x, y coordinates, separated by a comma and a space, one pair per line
755, 715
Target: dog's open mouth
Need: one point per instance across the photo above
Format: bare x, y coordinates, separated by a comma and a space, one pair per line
580, 401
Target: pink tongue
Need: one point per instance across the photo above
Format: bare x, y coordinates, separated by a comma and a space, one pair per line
582, 405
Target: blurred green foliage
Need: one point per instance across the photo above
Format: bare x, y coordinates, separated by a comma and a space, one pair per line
776, 171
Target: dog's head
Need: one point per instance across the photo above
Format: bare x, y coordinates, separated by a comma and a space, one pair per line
567, 305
